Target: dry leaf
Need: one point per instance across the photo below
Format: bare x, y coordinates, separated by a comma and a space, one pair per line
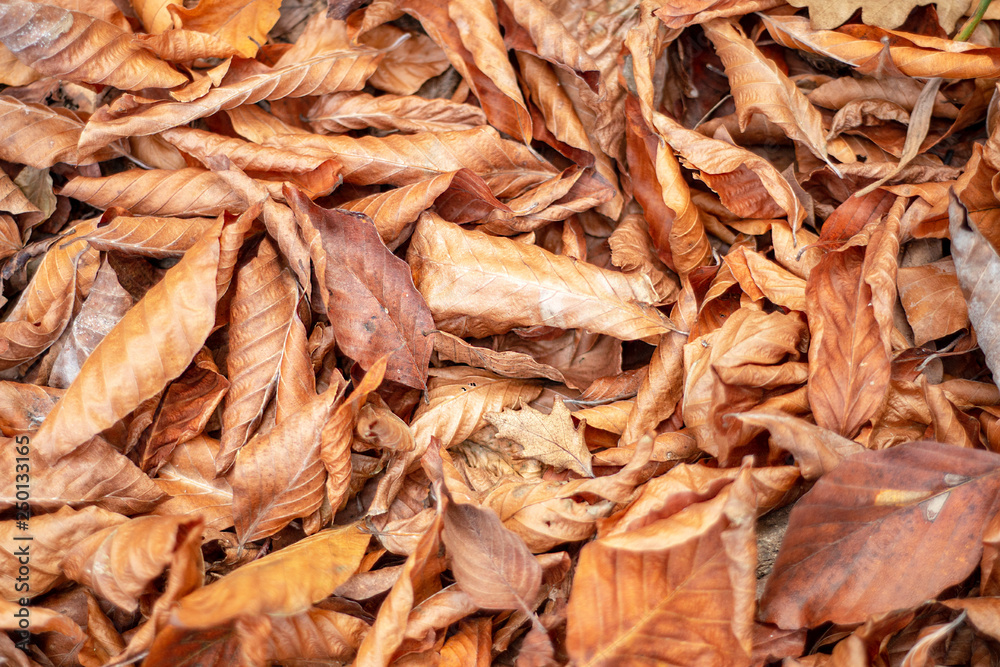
919, 501
527, 287
490, 563
284, 583
552, 438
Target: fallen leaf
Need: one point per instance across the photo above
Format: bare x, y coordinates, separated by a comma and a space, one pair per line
490, 563
284, 583
551, 438
876, 508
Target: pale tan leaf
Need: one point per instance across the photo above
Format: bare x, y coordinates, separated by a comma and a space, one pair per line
408, 66
552, 438
40, 136
150, 346
480, 285
884, 14
340, 112
77, 47
458, 399
156, 192
507, 167
329, 72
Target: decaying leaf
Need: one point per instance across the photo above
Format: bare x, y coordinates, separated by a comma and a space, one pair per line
534, 332
551, 438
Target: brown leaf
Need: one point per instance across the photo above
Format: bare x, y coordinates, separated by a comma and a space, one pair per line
243, 24
77, 47
479, 29
156, 192
283, 583
340, 112
817, 450
41, 136
337, 434
408, 66
187, 405
386, 314
925, 503
148, 236
12, 199
507, 167
152, 344
120, 562
759, 86
261, 317
51, 536
551, 438
932, 298
490, 563
748, 185
325, 73
188, 479
459, 196
420, 571
666, 592
103, 308
525, 284
44, 309
507, 364
317, 176
848, 362
965, 61
92, 474
278, 476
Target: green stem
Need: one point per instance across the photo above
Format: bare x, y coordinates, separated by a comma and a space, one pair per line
970, 25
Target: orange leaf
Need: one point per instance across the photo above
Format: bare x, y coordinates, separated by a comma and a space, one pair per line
152, 344
77, 47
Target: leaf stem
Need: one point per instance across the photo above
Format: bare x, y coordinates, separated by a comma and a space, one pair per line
973, 21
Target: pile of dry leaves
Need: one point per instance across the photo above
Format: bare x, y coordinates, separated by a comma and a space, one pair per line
517, 332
